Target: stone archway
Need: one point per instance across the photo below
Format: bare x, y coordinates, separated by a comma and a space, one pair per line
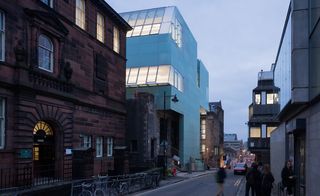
43, 150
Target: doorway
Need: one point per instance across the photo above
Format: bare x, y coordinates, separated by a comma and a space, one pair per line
43, 151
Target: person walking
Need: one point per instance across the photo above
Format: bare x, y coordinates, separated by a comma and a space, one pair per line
267, 180
288, 177
253, 181
220, 177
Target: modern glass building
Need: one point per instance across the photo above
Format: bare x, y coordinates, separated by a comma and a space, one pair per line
162, 60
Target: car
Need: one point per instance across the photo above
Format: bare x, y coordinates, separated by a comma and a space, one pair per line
240, 168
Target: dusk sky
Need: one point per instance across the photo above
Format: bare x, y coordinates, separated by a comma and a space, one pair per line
236, 39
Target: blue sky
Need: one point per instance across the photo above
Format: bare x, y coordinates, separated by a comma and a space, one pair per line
236, 39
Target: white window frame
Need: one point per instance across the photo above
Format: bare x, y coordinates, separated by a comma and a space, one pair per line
2, 123
116, 40
100, 27
81, 14
2, 35
99, 146
50, 50
109, 146
86, 142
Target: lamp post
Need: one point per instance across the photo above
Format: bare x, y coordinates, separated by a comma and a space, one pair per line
174, 99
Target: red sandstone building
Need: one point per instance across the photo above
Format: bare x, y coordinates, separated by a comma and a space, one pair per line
62, 88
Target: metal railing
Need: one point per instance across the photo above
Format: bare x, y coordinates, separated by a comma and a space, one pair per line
116, 185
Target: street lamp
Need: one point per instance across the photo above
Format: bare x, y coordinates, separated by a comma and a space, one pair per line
175, 100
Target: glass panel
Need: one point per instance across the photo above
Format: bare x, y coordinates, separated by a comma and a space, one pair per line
155, 29
171, 76
141, 18
132, 19
255, 132
180, 83
152, 74
159, 15
127, 74
137, 30
146, 30
150, 16
125, 17
100, 27
133, 76
80, 13
129, 33
116, 40
163, 74
176, 79
270, 98
269, 130
143, 72
258, 99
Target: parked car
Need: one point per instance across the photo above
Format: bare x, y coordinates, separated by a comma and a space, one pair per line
240, 168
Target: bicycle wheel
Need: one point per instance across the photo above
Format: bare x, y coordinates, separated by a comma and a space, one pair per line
85, 193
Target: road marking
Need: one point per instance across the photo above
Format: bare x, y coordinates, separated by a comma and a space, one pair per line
237, 182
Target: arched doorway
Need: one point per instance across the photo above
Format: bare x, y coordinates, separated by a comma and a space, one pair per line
43, 150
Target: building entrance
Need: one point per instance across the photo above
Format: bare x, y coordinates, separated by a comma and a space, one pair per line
43, 150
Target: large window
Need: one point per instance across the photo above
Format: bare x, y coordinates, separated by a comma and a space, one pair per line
81, 13
110, 146
272, 98
154, 75
45, 53
203, 129
116, 40
2, 122
100, 27
258, 99
99, 146
86, 142
2, 35
48, 2
176, 32
203, 148
269, 130
255, 132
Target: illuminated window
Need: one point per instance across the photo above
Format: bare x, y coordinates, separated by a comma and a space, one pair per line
2, 35
255, 132
42, 126
272, 98
143, 73
81, 13
203, 129
2, 123
116, 40
45, 53
36, 153
258, 99
203, 148
110, 146
100, 27
152, 75
163, 74
99, 147
269, 130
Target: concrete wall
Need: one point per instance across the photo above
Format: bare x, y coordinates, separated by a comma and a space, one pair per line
277, 151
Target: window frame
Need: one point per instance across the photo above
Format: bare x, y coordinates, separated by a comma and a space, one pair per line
50, 3
3, 34
99, 146
86, 139
109, 146
260, 131
101, 37
78, 20
46, 49
2, 122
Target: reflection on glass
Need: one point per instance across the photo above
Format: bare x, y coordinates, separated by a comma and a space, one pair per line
146, 30
136, 31
132, 19
159, 15
180, 83
133, 75
155, 29
163, 74
150, 16
258, 99
127, 74
141, 18
142, 78
129, 33
171, 76
152, 75
269, 130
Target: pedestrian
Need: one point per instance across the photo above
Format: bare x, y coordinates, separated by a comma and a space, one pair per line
253, 181
267, 180
288, 177
260, 167
220, 176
